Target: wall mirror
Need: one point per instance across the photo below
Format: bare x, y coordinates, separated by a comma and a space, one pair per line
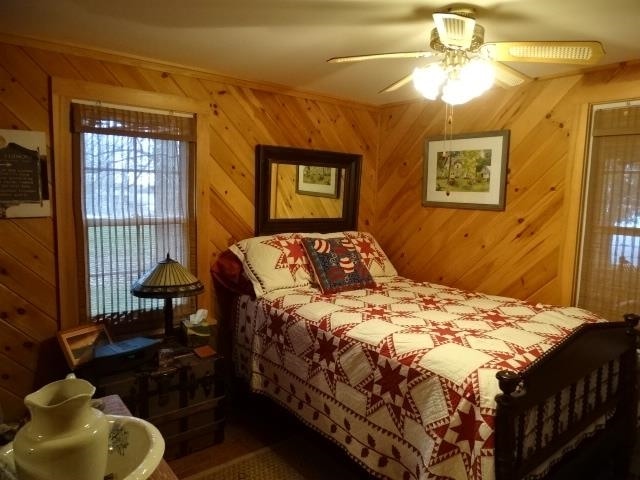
301, 190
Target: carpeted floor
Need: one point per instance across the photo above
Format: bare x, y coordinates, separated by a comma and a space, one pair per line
302, 458
296, 458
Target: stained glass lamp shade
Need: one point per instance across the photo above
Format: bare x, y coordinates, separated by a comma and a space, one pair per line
168, 279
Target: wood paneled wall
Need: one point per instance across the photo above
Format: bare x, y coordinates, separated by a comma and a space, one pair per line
525, 251
243, 115
528, 250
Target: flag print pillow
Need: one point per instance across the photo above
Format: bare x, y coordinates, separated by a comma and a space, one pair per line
336, 264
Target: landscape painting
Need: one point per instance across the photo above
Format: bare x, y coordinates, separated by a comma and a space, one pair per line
466, 171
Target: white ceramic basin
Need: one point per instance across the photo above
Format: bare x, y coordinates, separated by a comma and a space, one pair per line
135, 450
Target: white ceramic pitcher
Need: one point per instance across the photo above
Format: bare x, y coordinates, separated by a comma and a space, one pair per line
65, 438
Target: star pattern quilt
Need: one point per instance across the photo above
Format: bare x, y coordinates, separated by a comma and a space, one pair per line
401, 375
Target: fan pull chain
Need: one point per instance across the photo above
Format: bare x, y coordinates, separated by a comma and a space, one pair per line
448, 128
448, 138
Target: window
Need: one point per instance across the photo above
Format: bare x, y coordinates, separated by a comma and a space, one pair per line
135, 183
609, 273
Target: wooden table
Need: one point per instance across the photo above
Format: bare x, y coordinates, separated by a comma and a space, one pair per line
113, 405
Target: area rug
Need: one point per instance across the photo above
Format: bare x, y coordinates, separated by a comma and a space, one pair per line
293, 459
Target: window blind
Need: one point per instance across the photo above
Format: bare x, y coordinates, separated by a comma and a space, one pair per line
135, 182
609, 277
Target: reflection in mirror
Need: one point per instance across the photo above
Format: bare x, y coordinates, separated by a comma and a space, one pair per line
300, 190
306, 191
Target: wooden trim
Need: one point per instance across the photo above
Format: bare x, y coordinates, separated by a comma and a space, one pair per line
79, 89
202, 182
575, 175
63, 91
68, 305
82, 274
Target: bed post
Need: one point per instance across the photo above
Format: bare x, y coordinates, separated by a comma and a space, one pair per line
629, 403
505, 428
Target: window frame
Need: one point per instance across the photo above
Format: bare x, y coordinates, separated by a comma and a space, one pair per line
70, 269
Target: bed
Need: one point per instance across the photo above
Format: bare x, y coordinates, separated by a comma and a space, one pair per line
423, 381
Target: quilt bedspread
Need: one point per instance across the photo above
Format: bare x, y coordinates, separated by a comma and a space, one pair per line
402, 375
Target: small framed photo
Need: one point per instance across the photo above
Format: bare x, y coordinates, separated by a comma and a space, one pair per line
466, 171
318, 181
78, 344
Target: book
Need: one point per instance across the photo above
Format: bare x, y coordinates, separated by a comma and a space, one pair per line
204, 351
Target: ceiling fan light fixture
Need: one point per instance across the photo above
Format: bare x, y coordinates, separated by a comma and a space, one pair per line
478, 74
456, 92
457, 83
429, 80
470, 66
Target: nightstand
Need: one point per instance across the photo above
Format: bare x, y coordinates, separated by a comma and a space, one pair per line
185, 400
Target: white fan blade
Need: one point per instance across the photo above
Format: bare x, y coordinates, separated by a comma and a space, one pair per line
376, 56
508, 77
396, 85
584, 53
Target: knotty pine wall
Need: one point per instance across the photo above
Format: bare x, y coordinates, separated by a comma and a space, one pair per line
528, 250
244, 115
524, 251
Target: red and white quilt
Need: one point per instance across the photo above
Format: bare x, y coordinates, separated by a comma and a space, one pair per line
402, 375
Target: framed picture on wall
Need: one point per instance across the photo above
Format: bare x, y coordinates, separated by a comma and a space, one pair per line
24, 184
318, 181
466, 171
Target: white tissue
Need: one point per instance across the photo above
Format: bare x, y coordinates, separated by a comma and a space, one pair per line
198, 317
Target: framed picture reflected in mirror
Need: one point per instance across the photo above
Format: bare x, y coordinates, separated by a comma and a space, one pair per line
318, 181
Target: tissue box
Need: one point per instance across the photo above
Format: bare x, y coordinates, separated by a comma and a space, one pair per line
198, 334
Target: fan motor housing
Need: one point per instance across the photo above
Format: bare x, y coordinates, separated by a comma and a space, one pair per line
477, 40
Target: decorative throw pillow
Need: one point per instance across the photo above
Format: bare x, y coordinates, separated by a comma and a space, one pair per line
372, 254
274, 262
337, 264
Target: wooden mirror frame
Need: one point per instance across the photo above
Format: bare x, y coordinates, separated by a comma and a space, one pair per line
266, 155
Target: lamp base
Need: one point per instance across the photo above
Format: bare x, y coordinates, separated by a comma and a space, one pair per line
169, 329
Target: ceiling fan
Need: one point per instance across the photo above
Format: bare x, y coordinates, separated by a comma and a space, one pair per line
458, 41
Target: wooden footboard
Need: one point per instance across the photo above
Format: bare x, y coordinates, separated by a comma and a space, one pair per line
589, 379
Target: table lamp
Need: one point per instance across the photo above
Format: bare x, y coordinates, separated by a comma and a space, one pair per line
168, 279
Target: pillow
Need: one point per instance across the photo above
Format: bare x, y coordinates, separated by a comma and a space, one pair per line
372, 255
273, 262
229, 273
337, 264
